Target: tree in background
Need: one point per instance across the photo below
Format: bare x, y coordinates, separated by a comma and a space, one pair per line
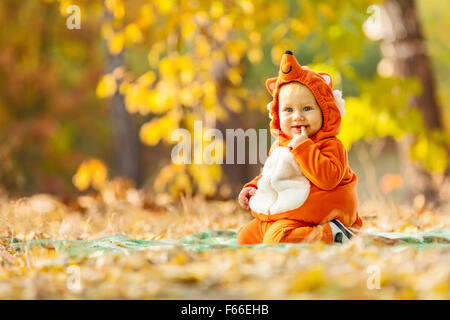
49, 115
405, 54
125, 133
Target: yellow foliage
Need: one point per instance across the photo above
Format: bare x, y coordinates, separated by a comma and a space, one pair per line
64, 5
174, 176
255, 55
146, 16
187, 97
202, 47
165, 98
327, 10
216, 10
300, 28
311, 279
225, 22
137, 99
233, 103
206, 177
115, 43
180, 258
152, 132
92, 172
171, 67
166, 174
189, 27
153, 55
146, 79
279, 32
331, 70
431, 152
181, 184
255, 37
247, 6
358, 112
234, 76
82, 178
116, 7
107, 86
165, 6
107, 31
276, 53
235, 50
133, 33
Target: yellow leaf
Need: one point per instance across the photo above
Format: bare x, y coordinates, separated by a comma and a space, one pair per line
146, 16
255, 37
107, 31
107, 86
233, 103
180, 259
255, 55
146, 79
235, 77
202, 46
247, 6
116, 7
115, 44
99, 173
216, 9
165, 6
150, 133
133, 33
279, 32
167, 67
311, 279
82, 177
92, 171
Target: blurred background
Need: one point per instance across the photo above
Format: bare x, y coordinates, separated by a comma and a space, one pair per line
91, 91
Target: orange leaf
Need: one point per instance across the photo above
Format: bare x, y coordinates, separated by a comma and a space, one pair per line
391, 182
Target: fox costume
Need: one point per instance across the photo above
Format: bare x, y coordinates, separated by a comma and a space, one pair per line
302, 189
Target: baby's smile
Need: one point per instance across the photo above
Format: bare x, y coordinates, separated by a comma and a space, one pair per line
298, 128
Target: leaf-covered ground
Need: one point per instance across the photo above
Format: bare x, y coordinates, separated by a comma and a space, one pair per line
311, 272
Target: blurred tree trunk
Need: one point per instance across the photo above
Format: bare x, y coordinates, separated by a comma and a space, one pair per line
404, 48
126, 141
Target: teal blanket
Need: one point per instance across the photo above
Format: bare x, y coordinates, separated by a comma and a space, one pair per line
220, 239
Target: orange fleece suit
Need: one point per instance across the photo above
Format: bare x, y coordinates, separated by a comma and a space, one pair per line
301, 189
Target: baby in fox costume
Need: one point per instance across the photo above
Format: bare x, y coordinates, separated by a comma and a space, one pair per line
306, 191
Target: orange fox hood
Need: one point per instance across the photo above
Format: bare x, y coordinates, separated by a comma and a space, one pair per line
320, 85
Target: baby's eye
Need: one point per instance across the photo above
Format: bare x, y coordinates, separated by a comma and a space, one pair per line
307, 108
288, 109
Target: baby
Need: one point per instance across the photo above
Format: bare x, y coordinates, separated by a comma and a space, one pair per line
306, 191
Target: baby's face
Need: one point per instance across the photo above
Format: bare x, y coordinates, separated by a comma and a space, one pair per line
297, 108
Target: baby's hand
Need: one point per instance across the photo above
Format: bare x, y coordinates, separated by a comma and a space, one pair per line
245, 196
298, 138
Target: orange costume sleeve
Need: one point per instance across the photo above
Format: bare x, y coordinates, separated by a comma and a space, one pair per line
322, 163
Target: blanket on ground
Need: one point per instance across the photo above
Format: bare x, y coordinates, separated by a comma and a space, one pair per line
221, 239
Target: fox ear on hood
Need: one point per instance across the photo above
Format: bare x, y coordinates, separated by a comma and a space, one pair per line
327, 78
270, 84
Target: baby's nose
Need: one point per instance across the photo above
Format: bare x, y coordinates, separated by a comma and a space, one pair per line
298, 115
